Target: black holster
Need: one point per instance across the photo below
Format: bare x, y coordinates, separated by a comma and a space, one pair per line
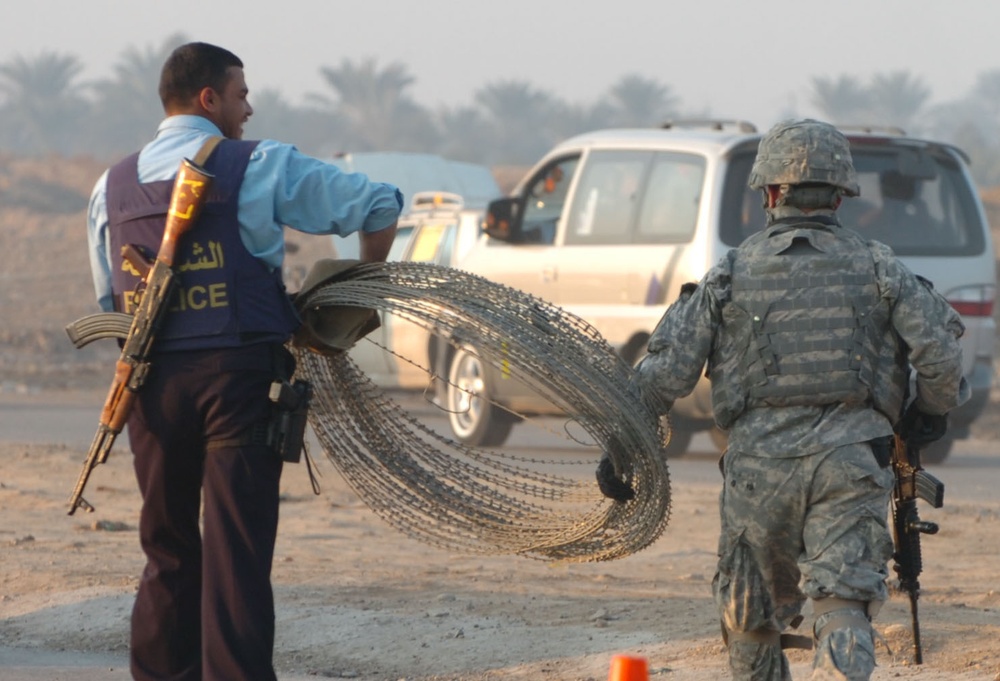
287, 428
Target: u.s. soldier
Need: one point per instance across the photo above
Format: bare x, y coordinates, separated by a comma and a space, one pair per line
806, 329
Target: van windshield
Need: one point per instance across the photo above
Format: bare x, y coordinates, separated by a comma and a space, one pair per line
913, 198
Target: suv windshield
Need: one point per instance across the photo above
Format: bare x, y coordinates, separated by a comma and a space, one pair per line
913, 198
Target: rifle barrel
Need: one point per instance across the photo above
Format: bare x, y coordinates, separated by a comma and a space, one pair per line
918, 651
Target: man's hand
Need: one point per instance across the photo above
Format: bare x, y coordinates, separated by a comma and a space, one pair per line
919, 429
611, 486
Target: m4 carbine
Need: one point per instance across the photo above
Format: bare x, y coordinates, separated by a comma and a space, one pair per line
912, 483
138, 330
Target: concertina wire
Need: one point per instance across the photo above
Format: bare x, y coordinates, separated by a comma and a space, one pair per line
487, 500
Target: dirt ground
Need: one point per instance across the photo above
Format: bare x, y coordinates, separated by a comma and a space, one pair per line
356, 599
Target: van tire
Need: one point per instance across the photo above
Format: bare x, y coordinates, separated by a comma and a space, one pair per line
474, 419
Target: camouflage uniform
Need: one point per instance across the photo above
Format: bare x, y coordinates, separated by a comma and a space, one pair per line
804, 502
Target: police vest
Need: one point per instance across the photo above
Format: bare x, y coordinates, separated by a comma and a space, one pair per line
806, 322
226, 297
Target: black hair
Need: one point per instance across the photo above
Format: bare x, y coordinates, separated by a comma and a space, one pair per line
192, 67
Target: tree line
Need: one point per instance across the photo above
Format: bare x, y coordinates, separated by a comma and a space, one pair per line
45, 109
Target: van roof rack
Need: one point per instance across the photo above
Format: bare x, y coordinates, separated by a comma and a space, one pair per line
711, 123
885, 129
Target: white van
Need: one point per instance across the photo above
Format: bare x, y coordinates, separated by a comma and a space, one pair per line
610, 224
439, 228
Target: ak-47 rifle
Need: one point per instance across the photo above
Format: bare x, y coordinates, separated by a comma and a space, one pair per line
158, 284
912, 483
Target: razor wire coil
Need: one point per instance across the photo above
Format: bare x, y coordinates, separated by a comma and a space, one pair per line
437, 490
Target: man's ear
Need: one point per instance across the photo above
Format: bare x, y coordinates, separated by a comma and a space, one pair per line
208, 99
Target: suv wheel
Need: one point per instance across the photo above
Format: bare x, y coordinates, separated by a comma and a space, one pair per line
474, 419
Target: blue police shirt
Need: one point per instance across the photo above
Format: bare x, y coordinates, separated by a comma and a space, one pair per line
282, 186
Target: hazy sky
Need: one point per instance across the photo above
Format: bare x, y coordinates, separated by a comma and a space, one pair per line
739, 59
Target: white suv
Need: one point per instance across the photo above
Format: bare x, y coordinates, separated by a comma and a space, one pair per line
609, 224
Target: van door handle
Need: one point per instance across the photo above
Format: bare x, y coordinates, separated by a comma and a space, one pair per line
550, 273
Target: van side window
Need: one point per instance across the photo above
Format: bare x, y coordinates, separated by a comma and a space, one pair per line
669, 210
605, 200
544, 200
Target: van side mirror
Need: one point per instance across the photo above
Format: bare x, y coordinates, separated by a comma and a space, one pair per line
503, 220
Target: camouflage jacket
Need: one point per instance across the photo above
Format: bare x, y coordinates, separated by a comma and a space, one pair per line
922, 325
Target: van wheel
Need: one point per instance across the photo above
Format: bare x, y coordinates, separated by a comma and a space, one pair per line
937, 451
474, 419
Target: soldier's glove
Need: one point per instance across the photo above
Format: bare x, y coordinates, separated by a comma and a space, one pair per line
611, 485
919, 429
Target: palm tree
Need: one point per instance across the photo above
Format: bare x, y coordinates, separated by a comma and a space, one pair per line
127, 107
42, 106
573, 119
468, 135
375, 107
641, 102
841, 101
523, 120
897, 98
987, 91
313, 131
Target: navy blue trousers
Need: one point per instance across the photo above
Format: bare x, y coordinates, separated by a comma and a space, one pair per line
204, 608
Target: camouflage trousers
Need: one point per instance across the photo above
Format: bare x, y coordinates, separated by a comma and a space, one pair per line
814, 527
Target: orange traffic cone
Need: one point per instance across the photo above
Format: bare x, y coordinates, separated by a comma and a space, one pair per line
628, 668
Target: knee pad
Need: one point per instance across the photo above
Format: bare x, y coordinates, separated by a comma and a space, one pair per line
839, 613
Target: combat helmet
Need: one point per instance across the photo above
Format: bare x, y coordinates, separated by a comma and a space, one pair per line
801, 151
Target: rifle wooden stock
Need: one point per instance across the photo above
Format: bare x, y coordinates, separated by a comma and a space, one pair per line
912, 483
189, 194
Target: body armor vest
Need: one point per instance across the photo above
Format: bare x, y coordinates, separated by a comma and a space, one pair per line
805, 325
227, 297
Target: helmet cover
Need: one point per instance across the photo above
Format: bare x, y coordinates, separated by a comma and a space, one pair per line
804, 151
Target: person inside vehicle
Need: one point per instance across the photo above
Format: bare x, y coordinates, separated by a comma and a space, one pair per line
903, 212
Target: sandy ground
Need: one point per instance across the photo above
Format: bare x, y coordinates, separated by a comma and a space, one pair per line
356, 599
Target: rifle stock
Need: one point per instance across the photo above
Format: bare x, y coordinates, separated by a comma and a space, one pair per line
187, 199
912, 483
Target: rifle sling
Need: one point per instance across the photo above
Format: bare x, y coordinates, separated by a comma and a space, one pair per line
206, 150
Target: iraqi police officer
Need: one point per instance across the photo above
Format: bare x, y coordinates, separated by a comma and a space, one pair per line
806, 329
204, 607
